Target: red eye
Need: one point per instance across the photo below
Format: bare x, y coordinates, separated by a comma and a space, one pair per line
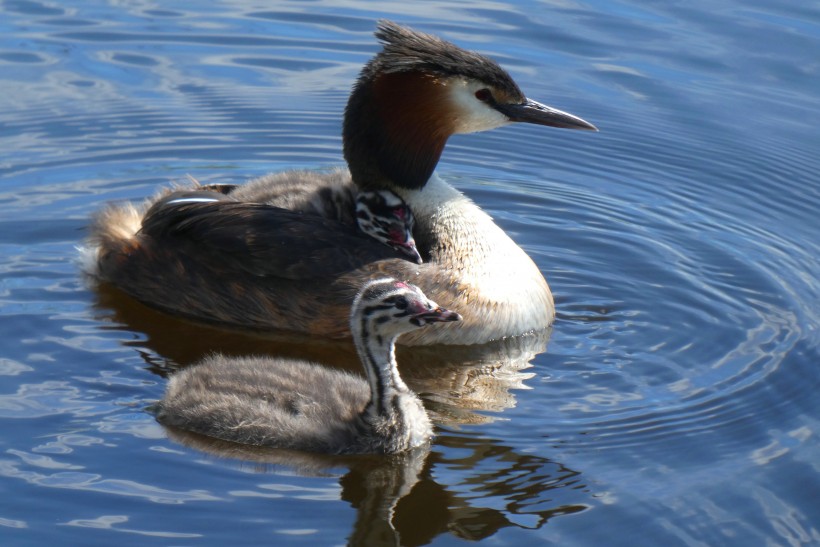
484, 95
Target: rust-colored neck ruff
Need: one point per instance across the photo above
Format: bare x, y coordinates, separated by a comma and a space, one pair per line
396, 126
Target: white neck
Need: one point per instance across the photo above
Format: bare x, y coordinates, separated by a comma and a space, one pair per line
495, 274
379, 360
392, 403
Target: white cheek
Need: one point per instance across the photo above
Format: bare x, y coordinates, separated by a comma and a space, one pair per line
473, 115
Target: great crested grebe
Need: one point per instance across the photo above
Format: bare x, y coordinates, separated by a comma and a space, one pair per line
293, 404
243, 263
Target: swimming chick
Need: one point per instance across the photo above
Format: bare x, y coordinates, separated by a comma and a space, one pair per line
292, 404
245, 263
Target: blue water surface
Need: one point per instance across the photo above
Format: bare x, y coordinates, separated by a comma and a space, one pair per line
676, 402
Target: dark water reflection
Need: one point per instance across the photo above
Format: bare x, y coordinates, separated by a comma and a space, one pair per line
676, 402
398, 500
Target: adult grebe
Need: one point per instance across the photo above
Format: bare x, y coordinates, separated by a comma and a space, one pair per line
244, 263
293, 404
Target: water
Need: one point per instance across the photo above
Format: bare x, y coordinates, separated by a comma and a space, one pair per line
676, 403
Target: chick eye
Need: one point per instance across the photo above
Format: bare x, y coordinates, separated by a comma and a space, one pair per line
484, 95
401, 303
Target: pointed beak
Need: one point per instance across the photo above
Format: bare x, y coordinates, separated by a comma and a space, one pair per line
541, 114
408, 248
403, 242
435, 315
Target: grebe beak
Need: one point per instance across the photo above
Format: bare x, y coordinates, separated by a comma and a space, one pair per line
409, 249
541, 114
435, 315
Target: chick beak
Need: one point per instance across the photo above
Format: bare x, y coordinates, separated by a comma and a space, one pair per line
404, 243
408, 248
435, 315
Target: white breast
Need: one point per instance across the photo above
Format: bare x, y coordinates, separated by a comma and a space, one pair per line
496, 274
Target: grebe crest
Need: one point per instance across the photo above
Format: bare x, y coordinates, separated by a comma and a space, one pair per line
417, 92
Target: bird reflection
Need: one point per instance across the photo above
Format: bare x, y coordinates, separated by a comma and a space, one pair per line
399, 502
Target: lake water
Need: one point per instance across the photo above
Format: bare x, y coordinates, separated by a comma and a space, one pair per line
677, 400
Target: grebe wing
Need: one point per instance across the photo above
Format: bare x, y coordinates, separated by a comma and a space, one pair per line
260, 239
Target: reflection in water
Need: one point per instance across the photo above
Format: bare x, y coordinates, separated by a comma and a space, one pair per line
455, 381
398, 500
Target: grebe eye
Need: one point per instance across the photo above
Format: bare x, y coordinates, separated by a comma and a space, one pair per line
484, 95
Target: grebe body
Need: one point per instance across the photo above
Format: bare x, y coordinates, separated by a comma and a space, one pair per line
278, 249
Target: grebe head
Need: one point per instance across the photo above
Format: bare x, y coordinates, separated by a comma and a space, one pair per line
417, 92
386, 308
384, 216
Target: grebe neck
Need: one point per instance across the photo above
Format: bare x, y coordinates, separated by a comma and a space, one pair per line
378, 355
479, 263
453, 230
395, 128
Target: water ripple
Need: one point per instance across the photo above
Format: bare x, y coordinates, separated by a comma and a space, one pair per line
74, 480
688, 332
678, 393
